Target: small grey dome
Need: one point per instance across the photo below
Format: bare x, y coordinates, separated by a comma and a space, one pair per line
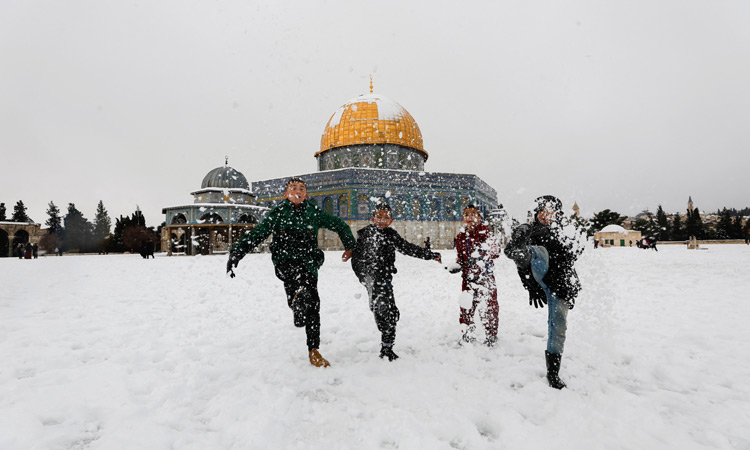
225, 177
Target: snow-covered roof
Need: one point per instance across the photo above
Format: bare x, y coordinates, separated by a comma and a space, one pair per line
613, 229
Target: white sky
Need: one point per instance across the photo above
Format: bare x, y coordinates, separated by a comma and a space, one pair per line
620, 105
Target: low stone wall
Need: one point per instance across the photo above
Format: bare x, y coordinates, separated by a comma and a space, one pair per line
708, 242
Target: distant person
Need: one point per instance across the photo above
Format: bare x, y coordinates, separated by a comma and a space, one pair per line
29, 250
476, 248
35, 251
544, 256
631, 243
596, 243
374, 263
147, 249
19, 250
427, 245
747, 238
296, 257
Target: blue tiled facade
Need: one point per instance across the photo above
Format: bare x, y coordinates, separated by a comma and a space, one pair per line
351, 193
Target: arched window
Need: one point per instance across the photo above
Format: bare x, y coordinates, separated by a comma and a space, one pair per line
178, 219
343, 206
328, 205
211, 218
363, 207
450, 209
247, 218
399, 206
434, 209
416, 208
464, 203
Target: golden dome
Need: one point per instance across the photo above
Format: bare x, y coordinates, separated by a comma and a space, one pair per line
371, 119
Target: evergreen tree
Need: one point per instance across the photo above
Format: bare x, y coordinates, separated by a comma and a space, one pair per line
2, 212
604, 218
19, 213
78, 231
54, 222
694, 224
724, 227
102, 226
736, 230
678, 233
647, 227
664, 233
746, 229
131, 232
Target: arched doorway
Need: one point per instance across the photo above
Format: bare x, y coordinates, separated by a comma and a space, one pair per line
4, 244
21, 237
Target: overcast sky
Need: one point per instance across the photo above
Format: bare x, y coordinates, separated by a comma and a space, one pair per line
621, 105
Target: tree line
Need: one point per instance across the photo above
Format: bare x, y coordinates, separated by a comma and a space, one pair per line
678, 228
72, 232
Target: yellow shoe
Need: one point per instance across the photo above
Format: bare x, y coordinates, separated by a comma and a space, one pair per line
317, 360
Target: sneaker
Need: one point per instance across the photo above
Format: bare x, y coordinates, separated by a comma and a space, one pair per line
317, 360
387, 352
490, 341
468, 334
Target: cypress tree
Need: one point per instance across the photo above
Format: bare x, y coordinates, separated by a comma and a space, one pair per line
663, 223
102, 226
2, 212
678, 233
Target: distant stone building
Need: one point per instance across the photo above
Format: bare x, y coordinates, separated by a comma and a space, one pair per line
221, 210
616, 236
372, 151
13, 233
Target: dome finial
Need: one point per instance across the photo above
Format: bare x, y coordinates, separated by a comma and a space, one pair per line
226, 160
370, 84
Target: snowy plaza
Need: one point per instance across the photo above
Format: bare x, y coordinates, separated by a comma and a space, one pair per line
117, 352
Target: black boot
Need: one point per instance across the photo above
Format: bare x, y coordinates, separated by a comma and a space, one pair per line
387, 352
553, 368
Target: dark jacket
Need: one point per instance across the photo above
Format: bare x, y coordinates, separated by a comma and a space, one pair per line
375, 253
561, 277
295, 235
475, 251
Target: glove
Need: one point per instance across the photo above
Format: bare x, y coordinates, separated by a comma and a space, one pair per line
233, 261
537, 301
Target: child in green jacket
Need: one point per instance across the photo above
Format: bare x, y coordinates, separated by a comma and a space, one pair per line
296, 256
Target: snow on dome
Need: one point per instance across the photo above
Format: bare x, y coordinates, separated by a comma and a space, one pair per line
613, 229
225, 177
371, 119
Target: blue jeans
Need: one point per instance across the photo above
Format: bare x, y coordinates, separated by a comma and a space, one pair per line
557, 310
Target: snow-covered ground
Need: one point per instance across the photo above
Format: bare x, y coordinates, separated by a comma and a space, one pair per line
117, 352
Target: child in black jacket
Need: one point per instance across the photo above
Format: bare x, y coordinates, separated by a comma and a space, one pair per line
373, 262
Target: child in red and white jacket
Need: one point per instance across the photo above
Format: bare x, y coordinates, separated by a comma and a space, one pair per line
476, 247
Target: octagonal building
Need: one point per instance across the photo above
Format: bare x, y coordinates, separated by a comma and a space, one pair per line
372, 150
222, 209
